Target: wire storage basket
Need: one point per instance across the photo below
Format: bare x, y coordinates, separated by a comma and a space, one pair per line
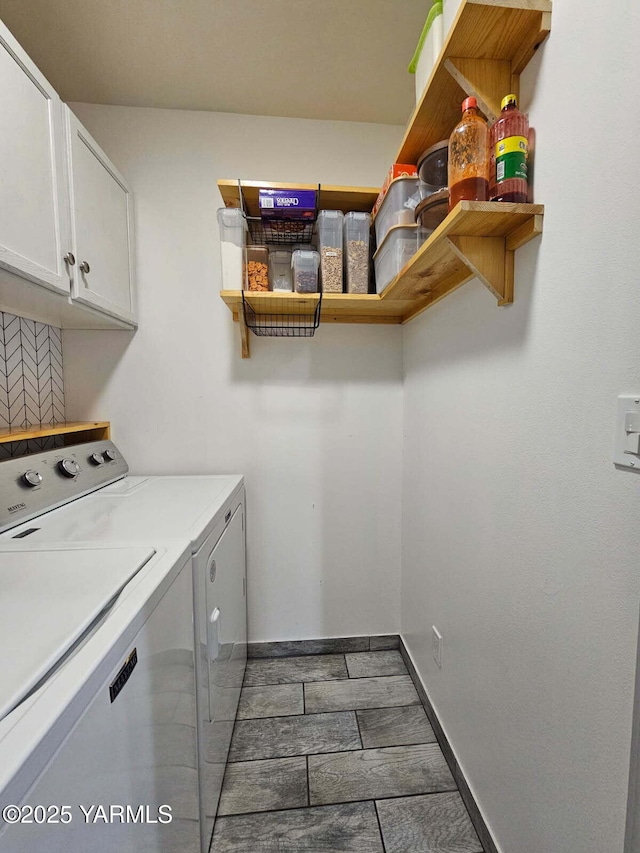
280, 232
293, 316
276, 231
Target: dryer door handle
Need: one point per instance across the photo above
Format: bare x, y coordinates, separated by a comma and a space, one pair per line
213, 635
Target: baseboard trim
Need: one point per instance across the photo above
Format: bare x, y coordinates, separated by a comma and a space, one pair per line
323, 646
465, 791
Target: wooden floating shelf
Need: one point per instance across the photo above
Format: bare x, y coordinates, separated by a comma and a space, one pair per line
336, 307
490, 43
74, 432
330, 198
478, 238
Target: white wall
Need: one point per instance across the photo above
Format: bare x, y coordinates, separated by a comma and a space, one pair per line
520, 538
315, 426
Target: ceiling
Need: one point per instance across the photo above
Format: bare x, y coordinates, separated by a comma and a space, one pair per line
325, 59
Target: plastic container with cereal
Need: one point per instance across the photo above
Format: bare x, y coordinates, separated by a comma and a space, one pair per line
357, 227
330, 226
256, 268
305, 266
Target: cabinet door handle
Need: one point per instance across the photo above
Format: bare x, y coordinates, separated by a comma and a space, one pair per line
70, 259
84, 267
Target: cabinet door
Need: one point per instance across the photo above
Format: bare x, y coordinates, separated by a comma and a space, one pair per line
102, 227
33, 210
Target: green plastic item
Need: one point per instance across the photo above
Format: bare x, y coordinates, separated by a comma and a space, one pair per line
435, 10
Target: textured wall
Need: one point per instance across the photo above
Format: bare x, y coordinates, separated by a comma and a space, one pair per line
521, 539
31, 382
315, 425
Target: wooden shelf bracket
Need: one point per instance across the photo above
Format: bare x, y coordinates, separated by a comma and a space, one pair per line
244, 334
489, 259
486, 80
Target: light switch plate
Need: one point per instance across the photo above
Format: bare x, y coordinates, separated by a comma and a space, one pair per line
627, 444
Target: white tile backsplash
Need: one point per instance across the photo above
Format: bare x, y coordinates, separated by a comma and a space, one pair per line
31, 381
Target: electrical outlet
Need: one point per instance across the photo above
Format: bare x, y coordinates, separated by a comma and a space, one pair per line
436, 646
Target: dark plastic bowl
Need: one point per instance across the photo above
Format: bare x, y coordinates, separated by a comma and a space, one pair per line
433, 163
433, 210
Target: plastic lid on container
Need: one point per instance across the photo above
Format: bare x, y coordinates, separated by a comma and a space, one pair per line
509, 99
305, 255
469, 104
401, 178
435, 10
356, 214
232, 217
280, 256
330, 214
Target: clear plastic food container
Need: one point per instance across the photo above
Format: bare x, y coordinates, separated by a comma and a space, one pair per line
232, 225
280, 270
428, 49
396, 250
256, 269
397, 208
357, 227
449, 12
330, 227
305, 266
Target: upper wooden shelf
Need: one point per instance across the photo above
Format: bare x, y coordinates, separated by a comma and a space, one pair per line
490, 43
330, 197
73, 432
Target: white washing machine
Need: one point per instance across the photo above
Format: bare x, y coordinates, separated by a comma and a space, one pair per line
97, 699
112, 507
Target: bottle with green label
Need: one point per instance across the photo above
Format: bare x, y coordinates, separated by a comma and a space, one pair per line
509, 153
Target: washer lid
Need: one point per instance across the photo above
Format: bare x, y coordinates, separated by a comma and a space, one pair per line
48, 599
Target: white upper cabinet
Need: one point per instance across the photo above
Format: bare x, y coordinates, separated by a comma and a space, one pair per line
33, 219
101, 227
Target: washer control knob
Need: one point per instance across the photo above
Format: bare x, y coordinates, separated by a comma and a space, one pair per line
69, 467
96, 459
31, 478
110, 455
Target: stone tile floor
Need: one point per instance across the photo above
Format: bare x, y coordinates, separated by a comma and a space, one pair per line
333, 753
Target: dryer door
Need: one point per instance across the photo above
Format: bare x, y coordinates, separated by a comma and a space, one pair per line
226, 619
225, 653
